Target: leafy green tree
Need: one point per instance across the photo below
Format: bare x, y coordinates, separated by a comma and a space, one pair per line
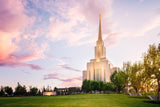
109, 86
43, 89
152, 64
55, 89
95, 85
136, 76
2, 93
39, 93
8, 90
20, 90
86, 86
119, 80
101, 85
33, 91
127, 70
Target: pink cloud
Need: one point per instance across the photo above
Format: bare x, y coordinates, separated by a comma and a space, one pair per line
153, 23
15, 65
81, 21
111, 39
12, 17
13, 21
73, 80
76, 81
50, 76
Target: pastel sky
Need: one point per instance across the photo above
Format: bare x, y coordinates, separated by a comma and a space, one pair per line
49, 42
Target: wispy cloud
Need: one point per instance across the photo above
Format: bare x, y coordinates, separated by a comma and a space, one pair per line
15, 65
112, 39
65, 66
73, 80
152, 24
62, 64
77, 21
26, 72
55, 76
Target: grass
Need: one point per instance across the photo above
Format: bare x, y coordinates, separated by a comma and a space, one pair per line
84, 100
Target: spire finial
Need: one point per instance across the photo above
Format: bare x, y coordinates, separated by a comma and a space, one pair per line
99, 16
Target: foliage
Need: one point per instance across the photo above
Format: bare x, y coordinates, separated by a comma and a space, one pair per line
43, 89
152, 64
109, 86
8, 90
136, 76
39, 93
86, 85
2, 93
127, 69
119, 80
20, 90
33, 91
101, 86
97, 85
55, 88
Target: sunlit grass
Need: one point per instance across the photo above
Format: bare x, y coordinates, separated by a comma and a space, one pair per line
85, 100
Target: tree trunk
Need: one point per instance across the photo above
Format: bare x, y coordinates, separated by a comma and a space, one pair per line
158, 90
117, 90
127, 87
138, 92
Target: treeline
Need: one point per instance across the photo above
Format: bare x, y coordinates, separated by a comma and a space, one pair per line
21, 90
89, 85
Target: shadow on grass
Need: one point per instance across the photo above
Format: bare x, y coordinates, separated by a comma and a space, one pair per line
152, 102
140, 97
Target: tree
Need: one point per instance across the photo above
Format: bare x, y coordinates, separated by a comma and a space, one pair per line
127, 69
152, 64
2, 93
95, 85
43, 89
109, 86
101, 85
20, 90
39, 93
136, 76
55, 89
86, 86
8, 90
119, 80
49, 88
33, 91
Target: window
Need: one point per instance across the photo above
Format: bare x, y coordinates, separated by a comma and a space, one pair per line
104, 76
97, 74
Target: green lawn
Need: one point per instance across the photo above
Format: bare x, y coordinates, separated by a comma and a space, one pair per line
84, 100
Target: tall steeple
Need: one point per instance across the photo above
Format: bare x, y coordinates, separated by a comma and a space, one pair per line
100, 41
100, 50
100, 32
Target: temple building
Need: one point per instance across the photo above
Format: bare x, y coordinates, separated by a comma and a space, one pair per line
100, 68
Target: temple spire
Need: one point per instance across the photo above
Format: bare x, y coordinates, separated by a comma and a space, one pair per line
100, 32
100, 41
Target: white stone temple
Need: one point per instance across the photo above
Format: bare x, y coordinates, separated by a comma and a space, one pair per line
100, 68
